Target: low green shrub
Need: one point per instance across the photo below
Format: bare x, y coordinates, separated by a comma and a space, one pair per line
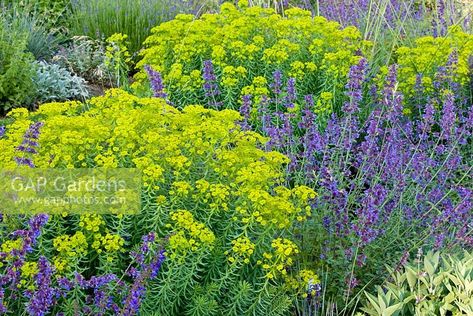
16, 68
52, 13
106, 63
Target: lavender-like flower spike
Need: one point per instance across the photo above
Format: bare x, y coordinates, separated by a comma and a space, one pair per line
391, 81
210, 84
428, 120
392, 99
402, 261
29, 144
354, 86
132, 302
291, 93
3, 308
156, 263
3, 129
24, 161
36, 223
245, 112
44, 297
452, 62
470, 66
447, 123
441, 17
277, 82
444, 77
308, 117
33, 131
265, 114
419, 92
30, 235
156, 82
368, 214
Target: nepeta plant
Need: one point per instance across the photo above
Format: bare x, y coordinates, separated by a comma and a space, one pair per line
389, 183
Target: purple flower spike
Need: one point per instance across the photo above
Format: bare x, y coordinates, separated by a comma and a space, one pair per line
24, 161
210, 86
29, 144
245, 110
448, 116
44, 297
277, 82
291, 93
156, 82
354, 87
149, 271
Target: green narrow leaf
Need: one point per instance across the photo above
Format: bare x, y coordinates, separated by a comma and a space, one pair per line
373, 302
411, 277
392, 309
429, 266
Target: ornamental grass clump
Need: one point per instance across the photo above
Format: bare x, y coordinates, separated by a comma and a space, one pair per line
390, 24
212, 197
422, 17
100, 19
216, 59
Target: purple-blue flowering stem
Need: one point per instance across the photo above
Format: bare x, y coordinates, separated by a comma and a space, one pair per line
210, 86
245, 110
141, 275
156, 82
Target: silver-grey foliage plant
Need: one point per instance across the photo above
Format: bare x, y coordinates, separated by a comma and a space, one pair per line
55, 83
